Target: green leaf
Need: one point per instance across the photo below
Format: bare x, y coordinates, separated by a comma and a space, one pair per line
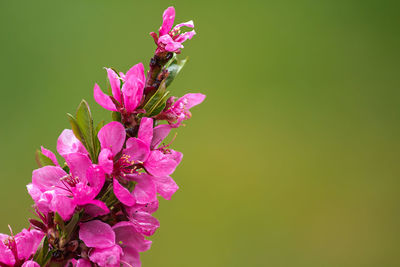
43, 254
59, 221
85, 122
158, 109
154, 104
96, 139
71, 226
75, 128
42, 160
82, 126
173, 69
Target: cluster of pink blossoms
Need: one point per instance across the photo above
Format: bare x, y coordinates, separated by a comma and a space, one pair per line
95, 207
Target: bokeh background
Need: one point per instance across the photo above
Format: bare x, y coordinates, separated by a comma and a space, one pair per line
292, 160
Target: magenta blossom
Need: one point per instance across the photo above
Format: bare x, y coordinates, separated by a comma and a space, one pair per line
177, 111
127, 98
171, 39
17, 250
113, 246
120, 163
158, 161
54, 190
143, 222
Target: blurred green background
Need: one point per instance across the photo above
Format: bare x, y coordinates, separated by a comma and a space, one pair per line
292, 160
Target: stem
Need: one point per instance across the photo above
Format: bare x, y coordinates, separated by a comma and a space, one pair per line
156, 65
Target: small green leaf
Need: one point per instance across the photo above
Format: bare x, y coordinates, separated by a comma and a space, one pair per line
173, 69
42, 252
158, 109
82, 126
59, 221
154, 104
75, 128
96, 141
71, 226
85, 122
42, 160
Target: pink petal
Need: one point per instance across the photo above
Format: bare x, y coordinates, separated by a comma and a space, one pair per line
27, 243
144, 223
34, 191
136, 149
189, 24
136, 73
193, 99
168, 21
166, 186
115, 84
50, 155
170, 45
106, 160
96, 208
130, 256
127, 236
123, 194
145, 189
97, 234
3, 237
148, 207
83, 263
107, 257
145, 132
155, 37
30, 264
132, 91
185, 36
160, 133
64, 205
102, 99
78, 164
54, 201
47, 177
159, 164
96, 178
112, 136
68, 143
175, 155
6, 255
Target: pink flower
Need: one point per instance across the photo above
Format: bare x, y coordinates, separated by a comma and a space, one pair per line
17, 250
129, 97
171, 39
119, 163
112, 246
53, 189
158, 161
143, 222
67, 143
49, 192
177, 111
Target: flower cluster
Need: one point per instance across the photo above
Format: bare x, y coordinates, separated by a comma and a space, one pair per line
95, 201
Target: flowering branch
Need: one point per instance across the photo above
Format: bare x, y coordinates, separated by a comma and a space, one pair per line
95, 209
